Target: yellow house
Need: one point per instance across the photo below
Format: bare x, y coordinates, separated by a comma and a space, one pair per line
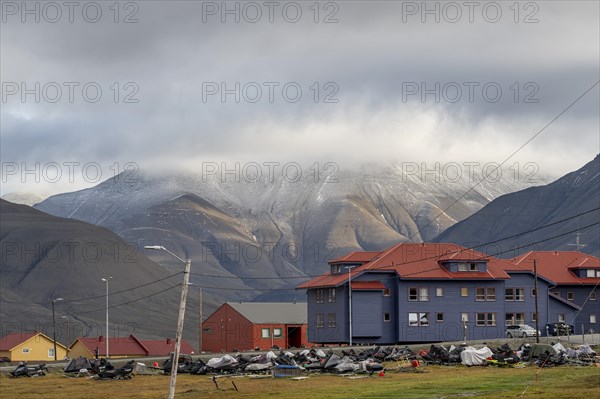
30, 346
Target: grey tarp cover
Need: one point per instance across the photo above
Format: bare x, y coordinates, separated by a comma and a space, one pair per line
77, 364
475, 357
540, 349
219, 362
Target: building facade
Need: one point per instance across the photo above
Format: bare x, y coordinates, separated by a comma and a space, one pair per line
425, 293
248, 325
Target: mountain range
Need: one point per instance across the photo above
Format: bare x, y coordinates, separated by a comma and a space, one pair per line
251, 240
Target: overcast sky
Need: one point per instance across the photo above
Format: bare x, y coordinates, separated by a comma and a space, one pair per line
380, 82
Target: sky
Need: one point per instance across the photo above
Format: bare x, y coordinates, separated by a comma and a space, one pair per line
91, 89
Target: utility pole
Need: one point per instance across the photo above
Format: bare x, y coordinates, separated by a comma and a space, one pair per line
54, 300
577, 243
200, 334
537, 315
107, 332
184, 290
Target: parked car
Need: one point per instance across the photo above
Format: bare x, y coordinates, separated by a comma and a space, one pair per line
520, 330
560, 328
4, 359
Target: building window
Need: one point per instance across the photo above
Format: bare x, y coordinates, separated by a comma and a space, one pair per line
331, 320
25, 350
533, 292
561, 317
514, 318
480, 294
320, 295
320, 320
533, 316
266, 332
336, 269
593, 296
439, 317
590, 273
387, 317
464, 291
570, 296
51, 352
418, 319
464, 316
514, 294
412, 294
439, 291
386, 292
331, 295
418, 294
486, 319
467, 267
593, 319
277, 332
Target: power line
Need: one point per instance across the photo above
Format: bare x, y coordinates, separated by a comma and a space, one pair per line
509, 157
419, 260
125, 290
132, 301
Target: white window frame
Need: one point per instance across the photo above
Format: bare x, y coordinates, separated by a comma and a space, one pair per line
265, 332
592, 319
464, 316
51, 353
464, 292
277, 332
439, 291
25, 350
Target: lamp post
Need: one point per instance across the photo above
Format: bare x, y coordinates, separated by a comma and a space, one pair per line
184, 290
54, 300
350, 303
106, 280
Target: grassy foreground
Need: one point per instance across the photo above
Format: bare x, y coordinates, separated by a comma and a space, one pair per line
437, 382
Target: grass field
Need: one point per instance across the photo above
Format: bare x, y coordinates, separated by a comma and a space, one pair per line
437, 382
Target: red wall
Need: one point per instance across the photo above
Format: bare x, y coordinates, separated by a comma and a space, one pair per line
228, 330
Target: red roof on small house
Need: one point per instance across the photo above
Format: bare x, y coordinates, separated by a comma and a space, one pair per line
367, 285
162, 347
558, 266
419, 261
11, 340
117, 346
356, 257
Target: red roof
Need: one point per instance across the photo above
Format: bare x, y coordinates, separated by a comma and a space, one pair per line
367, 285
419, 261
558, 266
117, 346
11, 340
162, 347
356, 257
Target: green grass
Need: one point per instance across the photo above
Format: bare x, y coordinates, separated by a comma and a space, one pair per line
438, 382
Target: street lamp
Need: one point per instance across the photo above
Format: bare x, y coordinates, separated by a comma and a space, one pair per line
184, 290
54, 300
350, 302
106, 338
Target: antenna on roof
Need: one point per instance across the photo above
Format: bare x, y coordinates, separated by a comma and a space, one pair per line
577, 243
